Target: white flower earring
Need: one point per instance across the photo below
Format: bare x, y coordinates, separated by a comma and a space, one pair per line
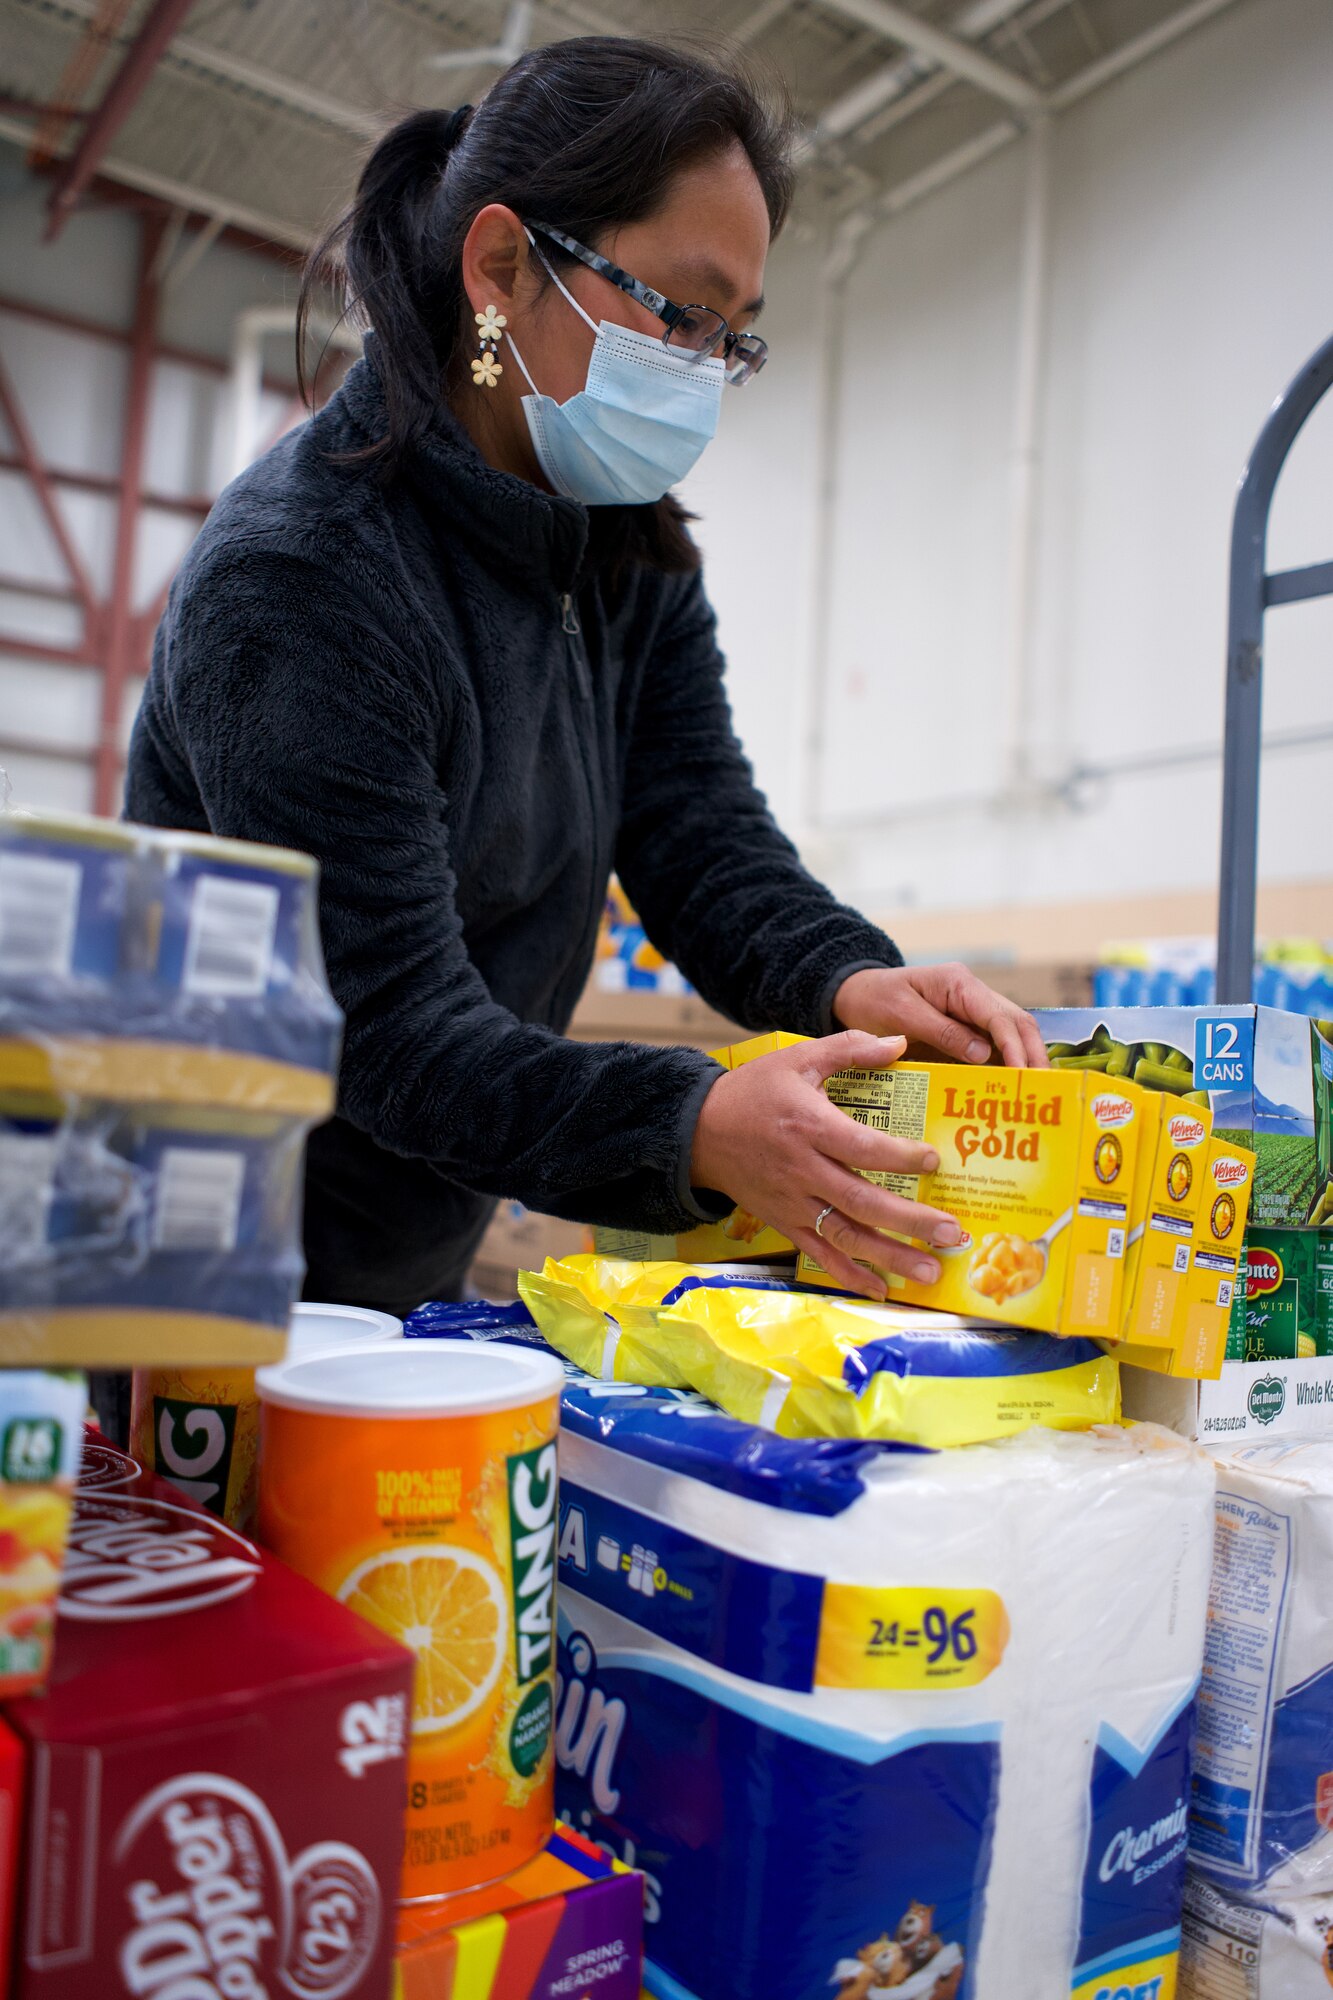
487, 370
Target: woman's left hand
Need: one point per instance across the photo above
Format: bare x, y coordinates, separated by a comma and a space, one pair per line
942, 1007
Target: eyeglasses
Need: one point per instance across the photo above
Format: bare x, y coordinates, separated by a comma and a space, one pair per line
698, 330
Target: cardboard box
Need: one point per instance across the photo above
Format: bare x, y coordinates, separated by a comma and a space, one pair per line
1266, 1399
1039, 1169
1162, 1247
41, 1429
656, 1018
1202, 1291
1284, 1311
738, 1237
217, 1771
11, 1831
570, 1923
1258, 1070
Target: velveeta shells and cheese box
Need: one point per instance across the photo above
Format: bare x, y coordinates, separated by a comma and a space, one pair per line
1038, 1167
1160, 1259
1203, 1309
739, 1237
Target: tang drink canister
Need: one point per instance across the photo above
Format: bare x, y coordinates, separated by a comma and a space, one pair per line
417, 1483
199, 1427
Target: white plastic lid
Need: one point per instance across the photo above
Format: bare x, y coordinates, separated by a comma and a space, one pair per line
412, 1378
314, 1328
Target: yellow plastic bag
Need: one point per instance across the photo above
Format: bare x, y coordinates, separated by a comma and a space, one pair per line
809, 1364
602, 1313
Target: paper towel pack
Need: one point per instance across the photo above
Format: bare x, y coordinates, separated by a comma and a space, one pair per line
1272, 1949
876, 1720
1262, 1809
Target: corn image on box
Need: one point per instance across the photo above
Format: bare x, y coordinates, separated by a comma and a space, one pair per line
1038, 1168
1160, 1259
739, 1237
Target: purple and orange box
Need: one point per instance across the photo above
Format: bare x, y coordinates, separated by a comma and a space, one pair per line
569, 1923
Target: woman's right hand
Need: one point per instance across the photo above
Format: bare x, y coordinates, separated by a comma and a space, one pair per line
769, 1137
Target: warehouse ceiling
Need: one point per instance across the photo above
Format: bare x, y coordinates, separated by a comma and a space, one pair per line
258, 112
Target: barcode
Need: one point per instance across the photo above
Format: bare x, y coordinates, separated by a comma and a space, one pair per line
27, 1179
1115, 1243
1224, 1294
198, 1205
229, 949
1181, 1260
39, 911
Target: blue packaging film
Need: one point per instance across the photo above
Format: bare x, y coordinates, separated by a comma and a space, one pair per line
114, 1207
758, 1704
131, 932
167, 1039
1262, 1794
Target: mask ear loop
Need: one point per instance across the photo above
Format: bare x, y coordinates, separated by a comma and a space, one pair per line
566, 293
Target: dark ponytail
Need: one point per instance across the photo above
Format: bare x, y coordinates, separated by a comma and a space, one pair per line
585, 134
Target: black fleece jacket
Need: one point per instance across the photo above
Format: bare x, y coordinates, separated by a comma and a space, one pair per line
432, 686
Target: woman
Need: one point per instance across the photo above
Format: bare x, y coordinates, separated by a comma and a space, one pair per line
451, 638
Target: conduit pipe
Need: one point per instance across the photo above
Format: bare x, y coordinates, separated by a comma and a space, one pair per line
250, 330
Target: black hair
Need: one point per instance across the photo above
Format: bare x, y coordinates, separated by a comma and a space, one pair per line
586, 134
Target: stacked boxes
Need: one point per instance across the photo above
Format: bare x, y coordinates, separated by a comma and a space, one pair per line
1037, 1168
216, 1773
1266, 1076
568, 1923
1087, 1203
167, 1038
738, 1237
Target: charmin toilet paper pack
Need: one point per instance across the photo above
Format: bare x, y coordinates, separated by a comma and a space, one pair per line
877, 1721
1262, 1812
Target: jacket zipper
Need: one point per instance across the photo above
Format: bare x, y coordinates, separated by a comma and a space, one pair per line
573, 631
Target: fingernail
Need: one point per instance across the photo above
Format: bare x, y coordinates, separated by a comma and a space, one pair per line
894, 1041
931, 1163
926, 1271
978, 1052
945, 1233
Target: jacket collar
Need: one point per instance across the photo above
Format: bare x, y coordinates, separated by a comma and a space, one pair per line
513, 528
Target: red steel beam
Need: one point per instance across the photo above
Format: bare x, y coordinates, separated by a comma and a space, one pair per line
13, 646
121, 653
105, 482
96, 329
26, 586
121, 96
32, 463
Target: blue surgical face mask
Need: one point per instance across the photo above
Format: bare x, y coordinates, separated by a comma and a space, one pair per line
640, 423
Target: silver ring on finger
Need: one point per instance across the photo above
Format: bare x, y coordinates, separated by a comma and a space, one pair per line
821, 1219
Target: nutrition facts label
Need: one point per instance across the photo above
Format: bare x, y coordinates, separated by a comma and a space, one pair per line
895, 1103
1251, 1566
1219, 1946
